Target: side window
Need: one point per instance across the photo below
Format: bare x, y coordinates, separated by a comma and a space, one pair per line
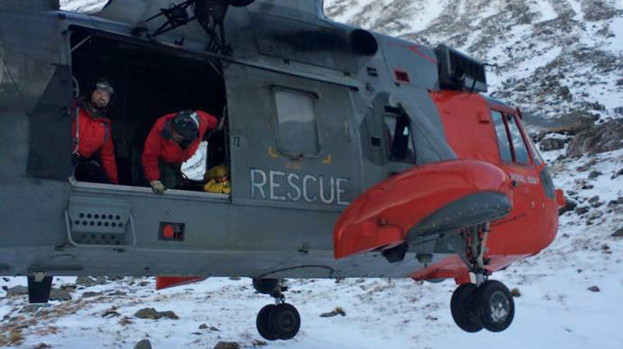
502, 135
296, 122
521, 149
398, 138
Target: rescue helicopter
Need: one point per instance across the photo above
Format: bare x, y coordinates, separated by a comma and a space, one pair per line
351, 154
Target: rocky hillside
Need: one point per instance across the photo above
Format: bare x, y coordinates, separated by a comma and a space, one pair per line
549, 57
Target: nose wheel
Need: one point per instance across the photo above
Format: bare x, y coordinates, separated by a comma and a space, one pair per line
488, 306
487, 303
280, 320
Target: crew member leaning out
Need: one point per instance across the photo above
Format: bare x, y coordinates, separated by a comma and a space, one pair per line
173, 139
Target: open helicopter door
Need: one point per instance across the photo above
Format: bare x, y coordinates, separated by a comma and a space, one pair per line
293, 145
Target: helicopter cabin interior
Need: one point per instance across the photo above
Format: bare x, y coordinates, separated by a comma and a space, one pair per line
149, 82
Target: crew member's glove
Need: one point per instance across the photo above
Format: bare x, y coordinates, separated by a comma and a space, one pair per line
157, 187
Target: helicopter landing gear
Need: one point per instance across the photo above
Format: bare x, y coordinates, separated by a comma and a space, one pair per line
487, 303
465, 309
498, 307
280, 320
39, 287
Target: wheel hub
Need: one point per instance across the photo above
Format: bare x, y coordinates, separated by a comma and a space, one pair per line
286, 320
500, 307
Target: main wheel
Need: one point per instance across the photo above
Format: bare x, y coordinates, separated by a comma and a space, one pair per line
285, 321
498, 307
263, 323
465, 307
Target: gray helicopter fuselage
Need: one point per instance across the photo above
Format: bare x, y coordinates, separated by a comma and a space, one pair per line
289, 182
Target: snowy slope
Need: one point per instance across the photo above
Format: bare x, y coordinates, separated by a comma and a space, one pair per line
540, 47
548, 57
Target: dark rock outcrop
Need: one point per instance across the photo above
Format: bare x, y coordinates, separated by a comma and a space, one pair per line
570, 205
144, 344
151, 313
548, 144
597, 139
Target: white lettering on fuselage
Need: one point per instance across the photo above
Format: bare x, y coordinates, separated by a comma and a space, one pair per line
524, 179
284, 186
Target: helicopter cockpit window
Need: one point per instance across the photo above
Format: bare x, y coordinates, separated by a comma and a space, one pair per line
399, 140
521, 150
502, 136
296, 118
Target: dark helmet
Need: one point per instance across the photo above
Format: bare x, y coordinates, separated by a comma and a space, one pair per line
100, 84
186, 124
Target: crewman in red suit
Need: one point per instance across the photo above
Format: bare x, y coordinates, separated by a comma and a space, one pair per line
93, 150
173, 139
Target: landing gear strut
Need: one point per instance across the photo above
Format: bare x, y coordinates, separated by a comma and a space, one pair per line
486, 303
280, 320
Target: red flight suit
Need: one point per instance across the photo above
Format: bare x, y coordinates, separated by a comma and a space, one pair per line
160, 148
95, 136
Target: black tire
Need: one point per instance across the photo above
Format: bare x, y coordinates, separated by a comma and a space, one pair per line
498, 307
266, 286
263, 324
465, 307
285, 321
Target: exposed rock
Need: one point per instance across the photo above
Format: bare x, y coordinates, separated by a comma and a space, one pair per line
59, 295
593, 199
258, 343
112, 312
125, 321
144, 344
617, 173
594, 174
588, 165
581, 210
620, 82
88, 281
151, 313
587, 186
597, 204
91, 294
598, 139
597, 106
42, 346
596, 214
32, 308
618, 110
565, 93
570, 205
17, 291
203, 327
593, 289
548, 144
572, 123
620, 199
334, 312
515, 293
227, 345
618, 233
613, 203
